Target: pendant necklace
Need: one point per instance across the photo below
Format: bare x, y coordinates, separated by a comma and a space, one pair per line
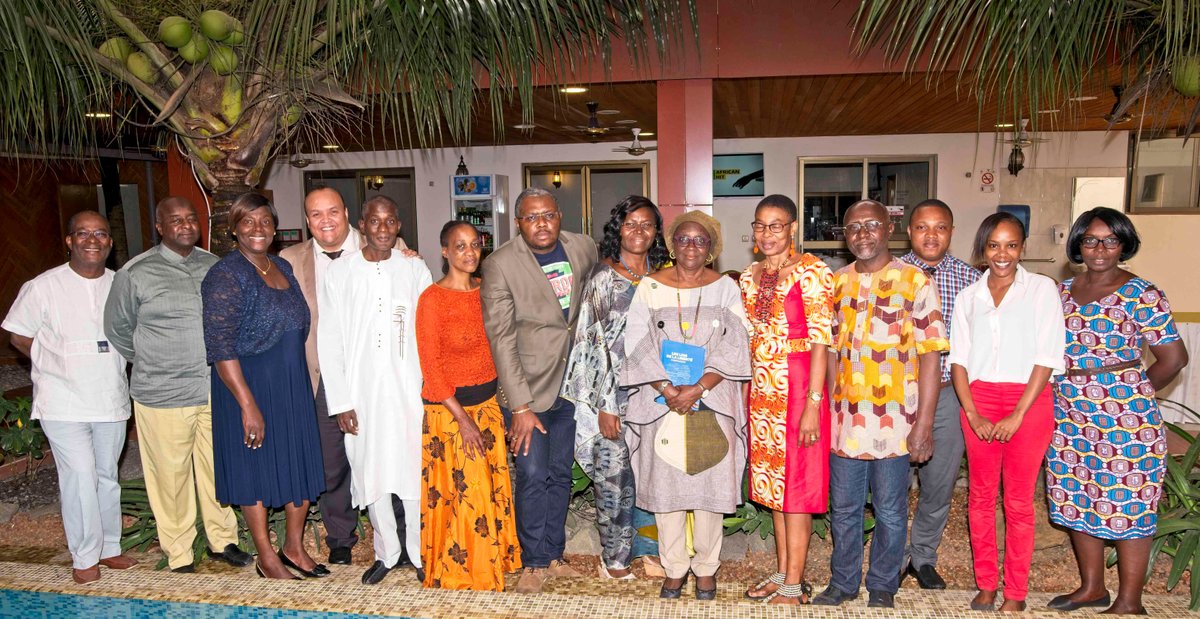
637, 279
685, 326
262, 271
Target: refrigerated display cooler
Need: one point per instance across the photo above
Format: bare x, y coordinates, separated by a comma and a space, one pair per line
482, 201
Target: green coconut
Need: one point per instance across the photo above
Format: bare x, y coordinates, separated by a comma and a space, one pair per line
292, 115
196, 49
231, 99
175, 31
222, 59
140, 66
215, 24
116, 48
1186, 76
237, 33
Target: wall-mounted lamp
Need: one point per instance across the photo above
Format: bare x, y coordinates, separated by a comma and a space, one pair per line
1016, 160
462, 167
374, 183
557, 180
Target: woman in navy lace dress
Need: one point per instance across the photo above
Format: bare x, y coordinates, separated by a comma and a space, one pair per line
265, 444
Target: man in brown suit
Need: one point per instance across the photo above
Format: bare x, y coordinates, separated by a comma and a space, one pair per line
329, 224
531, 291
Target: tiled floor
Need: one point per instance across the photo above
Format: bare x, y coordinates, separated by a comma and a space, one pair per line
401, 595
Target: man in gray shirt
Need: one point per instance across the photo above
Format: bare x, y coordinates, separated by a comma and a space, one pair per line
154, 318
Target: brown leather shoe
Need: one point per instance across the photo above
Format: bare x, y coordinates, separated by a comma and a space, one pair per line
119, 562
559, 569
532, 580
86, 575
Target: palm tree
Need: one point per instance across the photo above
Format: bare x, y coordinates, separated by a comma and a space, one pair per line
234, 81
1030, 55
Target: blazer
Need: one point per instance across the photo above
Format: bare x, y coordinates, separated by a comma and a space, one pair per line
524, 321
301, 257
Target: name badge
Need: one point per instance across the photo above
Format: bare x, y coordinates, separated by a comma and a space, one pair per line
102, 346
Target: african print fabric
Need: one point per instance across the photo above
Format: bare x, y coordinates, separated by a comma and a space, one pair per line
1105, 463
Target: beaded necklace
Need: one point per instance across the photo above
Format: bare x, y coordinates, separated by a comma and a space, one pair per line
637, 279
685, 326
768, 284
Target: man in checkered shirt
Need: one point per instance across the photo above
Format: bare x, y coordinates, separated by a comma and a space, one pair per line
930, 227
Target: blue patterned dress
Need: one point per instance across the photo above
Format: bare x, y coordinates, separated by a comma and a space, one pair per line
1105, 463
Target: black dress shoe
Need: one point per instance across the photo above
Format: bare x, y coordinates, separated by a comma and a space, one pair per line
881, 599
927, 577
668, 593
706, 594
320, 571
832, 596
184, 569
1064, 602
232, 555
375, 574
339, 555
261, 574
420, 574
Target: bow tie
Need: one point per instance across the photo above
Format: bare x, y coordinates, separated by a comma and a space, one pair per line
333, 255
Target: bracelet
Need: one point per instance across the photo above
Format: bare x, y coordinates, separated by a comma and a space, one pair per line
521, 411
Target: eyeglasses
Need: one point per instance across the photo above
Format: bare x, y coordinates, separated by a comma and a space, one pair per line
548, 217
870, 227
775, 228
645, 226
699, 242
461, 247
83, 235
1109, 242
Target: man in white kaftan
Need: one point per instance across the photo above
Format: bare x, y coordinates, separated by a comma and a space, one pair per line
367, 346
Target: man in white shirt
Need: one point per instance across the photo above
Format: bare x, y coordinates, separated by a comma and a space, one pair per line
368, 349
329, 224
80, 393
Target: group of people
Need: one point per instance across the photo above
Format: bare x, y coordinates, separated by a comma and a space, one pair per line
668, 382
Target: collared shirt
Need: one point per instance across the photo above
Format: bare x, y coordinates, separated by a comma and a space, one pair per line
951, 275
77, 375
154, 318
1001, 344
883, 322
321, 260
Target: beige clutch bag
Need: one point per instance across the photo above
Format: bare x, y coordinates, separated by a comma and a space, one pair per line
691, 443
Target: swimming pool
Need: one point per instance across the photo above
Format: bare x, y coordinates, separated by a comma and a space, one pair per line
31, 604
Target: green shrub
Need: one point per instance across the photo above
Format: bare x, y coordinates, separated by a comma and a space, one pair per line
20, 436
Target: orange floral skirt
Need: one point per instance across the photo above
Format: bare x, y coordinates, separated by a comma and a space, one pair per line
468, 535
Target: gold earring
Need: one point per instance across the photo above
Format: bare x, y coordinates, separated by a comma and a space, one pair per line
710, 259
672, 254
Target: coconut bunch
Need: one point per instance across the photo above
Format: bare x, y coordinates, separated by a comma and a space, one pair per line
210, 40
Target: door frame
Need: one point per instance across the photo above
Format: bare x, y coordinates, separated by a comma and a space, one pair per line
585, 168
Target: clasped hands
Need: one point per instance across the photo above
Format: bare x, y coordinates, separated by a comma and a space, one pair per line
682, 399
1002, 430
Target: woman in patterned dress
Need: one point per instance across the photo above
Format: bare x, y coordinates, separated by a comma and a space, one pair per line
633, 248
1105, 463
468, 535
788, 299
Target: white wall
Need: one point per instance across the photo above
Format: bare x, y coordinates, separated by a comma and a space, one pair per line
432, 171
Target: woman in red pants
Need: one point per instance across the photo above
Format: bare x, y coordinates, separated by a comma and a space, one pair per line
1006, 341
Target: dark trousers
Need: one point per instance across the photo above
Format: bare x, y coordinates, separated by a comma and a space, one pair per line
542, 491
337, 512
850, 480
938, 476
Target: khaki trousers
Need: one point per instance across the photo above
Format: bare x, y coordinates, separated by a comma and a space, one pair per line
706, 540
177, 460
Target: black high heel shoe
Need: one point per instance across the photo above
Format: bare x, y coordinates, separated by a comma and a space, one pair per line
672, 594
261, 574
320, 571
706, 594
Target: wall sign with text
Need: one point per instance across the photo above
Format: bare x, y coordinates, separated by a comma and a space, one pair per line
737, 175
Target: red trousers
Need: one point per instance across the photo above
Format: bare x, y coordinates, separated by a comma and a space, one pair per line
1017, 463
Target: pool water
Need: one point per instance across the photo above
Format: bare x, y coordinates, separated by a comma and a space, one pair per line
32, 604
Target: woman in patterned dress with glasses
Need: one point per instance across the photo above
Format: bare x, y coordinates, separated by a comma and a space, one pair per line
789, 301
1105, 463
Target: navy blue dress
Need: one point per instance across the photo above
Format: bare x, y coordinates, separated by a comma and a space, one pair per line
264, 329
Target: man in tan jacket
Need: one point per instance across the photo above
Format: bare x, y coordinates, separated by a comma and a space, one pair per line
532, 287
329, 224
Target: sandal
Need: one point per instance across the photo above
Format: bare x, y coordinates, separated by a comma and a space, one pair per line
801, 592
777, 579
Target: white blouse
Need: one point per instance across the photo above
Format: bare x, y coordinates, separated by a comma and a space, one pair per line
1002, 344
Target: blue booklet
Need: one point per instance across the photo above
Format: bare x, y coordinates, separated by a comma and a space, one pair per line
684, 364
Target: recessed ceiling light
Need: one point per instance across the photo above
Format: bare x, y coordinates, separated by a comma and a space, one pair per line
572, 90
646, 133
1004, 125
331, 147
625, 122
97, 115
608, 112
525, 127
1055, 111
1082, 99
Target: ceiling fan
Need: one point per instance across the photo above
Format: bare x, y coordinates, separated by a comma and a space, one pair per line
303, 162
635, 149
593, 127
1111, 116
1021, 136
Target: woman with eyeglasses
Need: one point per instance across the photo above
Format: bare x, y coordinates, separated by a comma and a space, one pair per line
1105, 461
686, 359
788, 298
632, 249
468, 534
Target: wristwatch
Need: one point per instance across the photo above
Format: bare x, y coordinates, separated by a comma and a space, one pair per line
704, 394
815, 396
662, 387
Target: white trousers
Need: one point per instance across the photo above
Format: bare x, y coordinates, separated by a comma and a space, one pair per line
387, 534
85, 454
